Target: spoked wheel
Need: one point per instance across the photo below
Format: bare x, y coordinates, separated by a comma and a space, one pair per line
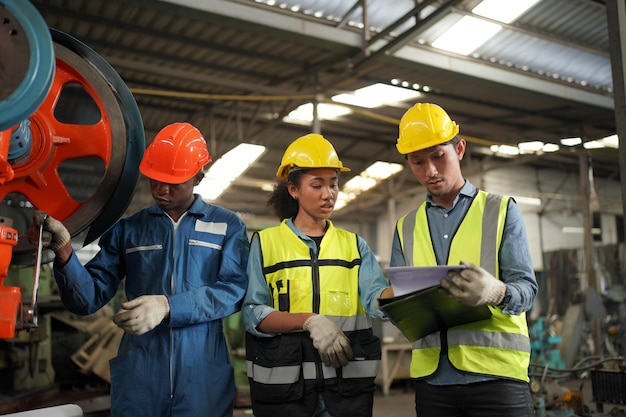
87, 142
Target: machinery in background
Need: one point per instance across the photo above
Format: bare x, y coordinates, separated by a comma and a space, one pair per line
595, 331
71, 138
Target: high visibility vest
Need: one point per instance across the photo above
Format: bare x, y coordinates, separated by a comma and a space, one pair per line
299, 281
498, 346
285, 369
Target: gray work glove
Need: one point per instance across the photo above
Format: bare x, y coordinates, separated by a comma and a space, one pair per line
474, 286
142, 314
54, 234
332, 345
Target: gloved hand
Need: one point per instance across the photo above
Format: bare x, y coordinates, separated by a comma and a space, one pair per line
474, 286
54, 234
332, 345
142, 314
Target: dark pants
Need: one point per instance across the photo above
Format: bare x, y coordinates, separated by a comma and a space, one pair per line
500, 398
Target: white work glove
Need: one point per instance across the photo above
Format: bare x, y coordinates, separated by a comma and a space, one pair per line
142, 314
332, 345
473, 286
54, 234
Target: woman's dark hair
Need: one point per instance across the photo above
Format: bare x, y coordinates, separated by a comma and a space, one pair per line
284, 204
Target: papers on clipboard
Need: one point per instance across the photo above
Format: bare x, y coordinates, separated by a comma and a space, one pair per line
420, 308
406, 279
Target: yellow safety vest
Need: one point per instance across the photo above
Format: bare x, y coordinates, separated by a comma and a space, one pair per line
285, 371
301, 282
498, 346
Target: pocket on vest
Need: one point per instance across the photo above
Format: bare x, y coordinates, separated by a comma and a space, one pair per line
276, 374
366, 351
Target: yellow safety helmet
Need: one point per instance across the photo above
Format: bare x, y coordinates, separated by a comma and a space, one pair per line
425, 125
309, 151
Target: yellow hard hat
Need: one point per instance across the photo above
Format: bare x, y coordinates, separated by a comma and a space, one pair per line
425, 125
309, 151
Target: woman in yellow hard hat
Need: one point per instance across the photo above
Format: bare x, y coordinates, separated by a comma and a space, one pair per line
312, 289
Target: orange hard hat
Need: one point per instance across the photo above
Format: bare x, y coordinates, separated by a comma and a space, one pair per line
177, 153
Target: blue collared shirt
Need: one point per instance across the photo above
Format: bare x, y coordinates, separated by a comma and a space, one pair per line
516, 267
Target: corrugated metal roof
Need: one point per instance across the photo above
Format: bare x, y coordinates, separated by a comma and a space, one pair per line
544, 76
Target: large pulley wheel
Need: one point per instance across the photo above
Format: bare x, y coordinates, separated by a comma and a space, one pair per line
26, 61
87, 141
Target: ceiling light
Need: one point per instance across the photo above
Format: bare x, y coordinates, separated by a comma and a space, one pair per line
267, 186
505, 149
503, 11
611, 141
594, 144
466, 35
359, 184
530, 147
369, 178
382, 170
304, 113
377, 95
227, 168
550, 147
571, 141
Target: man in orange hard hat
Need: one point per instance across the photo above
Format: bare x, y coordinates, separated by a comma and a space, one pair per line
184, 261
479, 368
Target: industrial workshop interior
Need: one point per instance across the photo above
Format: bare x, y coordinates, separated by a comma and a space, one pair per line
537, 88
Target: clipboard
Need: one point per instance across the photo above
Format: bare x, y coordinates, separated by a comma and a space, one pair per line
406, 279
428, 310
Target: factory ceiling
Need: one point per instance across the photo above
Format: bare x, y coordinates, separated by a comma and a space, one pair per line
235, 68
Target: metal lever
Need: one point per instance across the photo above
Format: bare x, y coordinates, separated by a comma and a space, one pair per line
32, 310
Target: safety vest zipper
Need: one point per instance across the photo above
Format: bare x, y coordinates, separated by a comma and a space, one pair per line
315, 276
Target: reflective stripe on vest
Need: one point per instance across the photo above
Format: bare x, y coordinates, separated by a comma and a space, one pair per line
480, 347
291, 374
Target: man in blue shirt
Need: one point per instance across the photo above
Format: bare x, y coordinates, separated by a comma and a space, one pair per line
481, 368
184, 262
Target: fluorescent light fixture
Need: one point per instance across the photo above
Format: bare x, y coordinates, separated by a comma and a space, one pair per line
505, 149
530, 147
550, 147
304, 113
594, 144
504, 11
382, 170
377, 95
267, 186
579, 230
466, 35
369, 178
227, 168
611, 141
341, 202
360, 183
571, 141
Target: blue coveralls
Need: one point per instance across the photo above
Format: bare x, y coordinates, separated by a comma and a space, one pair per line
182, 367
